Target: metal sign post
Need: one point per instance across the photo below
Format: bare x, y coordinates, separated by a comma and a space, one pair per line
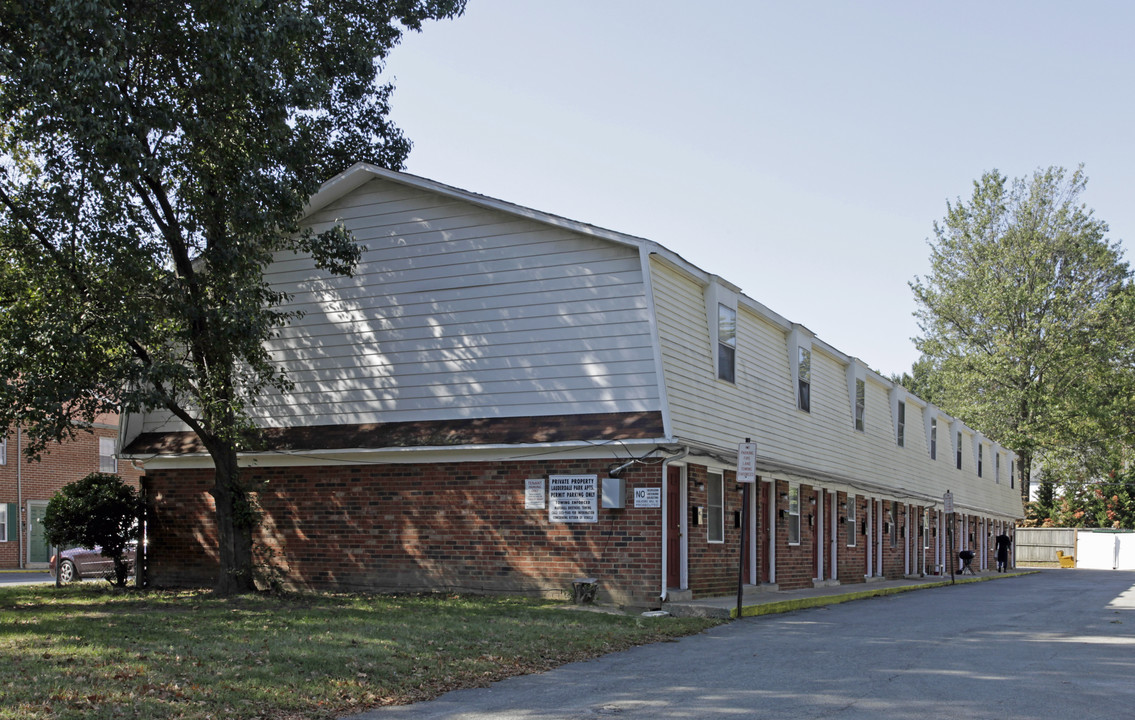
948, 508
747, 476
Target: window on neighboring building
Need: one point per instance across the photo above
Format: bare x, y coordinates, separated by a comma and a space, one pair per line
805, 379
933, 438
860, 403
726, 342
980, 448
852, 525
4, 451
793, 515
902, 424
107, 461
715, 505
959, 451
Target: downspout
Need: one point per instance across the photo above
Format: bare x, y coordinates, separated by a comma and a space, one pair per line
19, 502
666, 514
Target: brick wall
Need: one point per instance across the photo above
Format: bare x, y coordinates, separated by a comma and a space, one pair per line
454, 527
60, 464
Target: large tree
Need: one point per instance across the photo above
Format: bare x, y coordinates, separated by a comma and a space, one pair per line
1028, 323
153, 158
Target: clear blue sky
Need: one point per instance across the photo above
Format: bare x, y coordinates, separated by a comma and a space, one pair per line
801, 150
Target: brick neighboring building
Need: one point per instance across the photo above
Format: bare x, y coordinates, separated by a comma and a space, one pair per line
27, 485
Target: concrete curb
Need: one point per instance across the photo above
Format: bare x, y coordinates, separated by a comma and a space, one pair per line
783, 606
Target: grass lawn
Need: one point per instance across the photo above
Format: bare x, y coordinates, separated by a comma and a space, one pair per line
89, 651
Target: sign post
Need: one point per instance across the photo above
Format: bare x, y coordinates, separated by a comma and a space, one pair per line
948, 508
747, 476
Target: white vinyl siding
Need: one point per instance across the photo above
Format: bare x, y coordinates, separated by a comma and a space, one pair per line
458, 311
763, 402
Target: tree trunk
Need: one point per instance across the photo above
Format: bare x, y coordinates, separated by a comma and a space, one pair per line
234, 531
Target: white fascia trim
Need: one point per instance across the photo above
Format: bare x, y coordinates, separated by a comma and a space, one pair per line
619, 450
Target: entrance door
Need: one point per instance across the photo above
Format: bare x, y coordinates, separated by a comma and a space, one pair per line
39, 552
674, 527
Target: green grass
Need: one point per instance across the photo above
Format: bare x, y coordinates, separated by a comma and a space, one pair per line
92, 652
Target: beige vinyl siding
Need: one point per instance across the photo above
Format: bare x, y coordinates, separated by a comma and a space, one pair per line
457, 311
761, 405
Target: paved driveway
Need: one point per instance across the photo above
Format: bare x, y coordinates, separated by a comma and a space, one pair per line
1057, 644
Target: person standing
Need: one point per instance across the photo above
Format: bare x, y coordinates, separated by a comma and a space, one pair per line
1002, 547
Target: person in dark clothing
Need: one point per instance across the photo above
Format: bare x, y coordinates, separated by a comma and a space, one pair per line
1002, 548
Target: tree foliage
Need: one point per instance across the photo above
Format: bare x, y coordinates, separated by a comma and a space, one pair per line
99, 510
1028, 322
153, 158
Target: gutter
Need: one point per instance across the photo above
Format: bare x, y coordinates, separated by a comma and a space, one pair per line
665, 514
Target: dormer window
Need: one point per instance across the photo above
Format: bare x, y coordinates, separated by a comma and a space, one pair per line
804, 380
726, 343
933, 438
901, 432
860, 404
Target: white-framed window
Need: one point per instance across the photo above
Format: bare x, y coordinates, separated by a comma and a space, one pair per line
715, 507
997, 468
959, 451
3, 522
793, 514
107, 462
726, 343
980, 455
852, 523
925, 528
933, 438
4, 451
860, 404
804, 379
892, 522
902, 424
1012, 477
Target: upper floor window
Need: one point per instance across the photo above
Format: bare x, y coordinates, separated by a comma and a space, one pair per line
107, 462
805, 379
1012, 479
980, 448
997, 469
933, 438
726, 342
793, 514
4, 451
860, 404
902, 424
715, 506
959, 451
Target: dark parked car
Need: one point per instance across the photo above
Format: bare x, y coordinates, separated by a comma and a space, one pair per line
80, 563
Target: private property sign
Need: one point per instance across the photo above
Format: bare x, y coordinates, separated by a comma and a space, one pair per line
747, 462
573, 498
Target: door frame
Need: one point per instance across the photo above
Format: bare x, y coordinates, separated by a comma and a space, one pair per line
28, 562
